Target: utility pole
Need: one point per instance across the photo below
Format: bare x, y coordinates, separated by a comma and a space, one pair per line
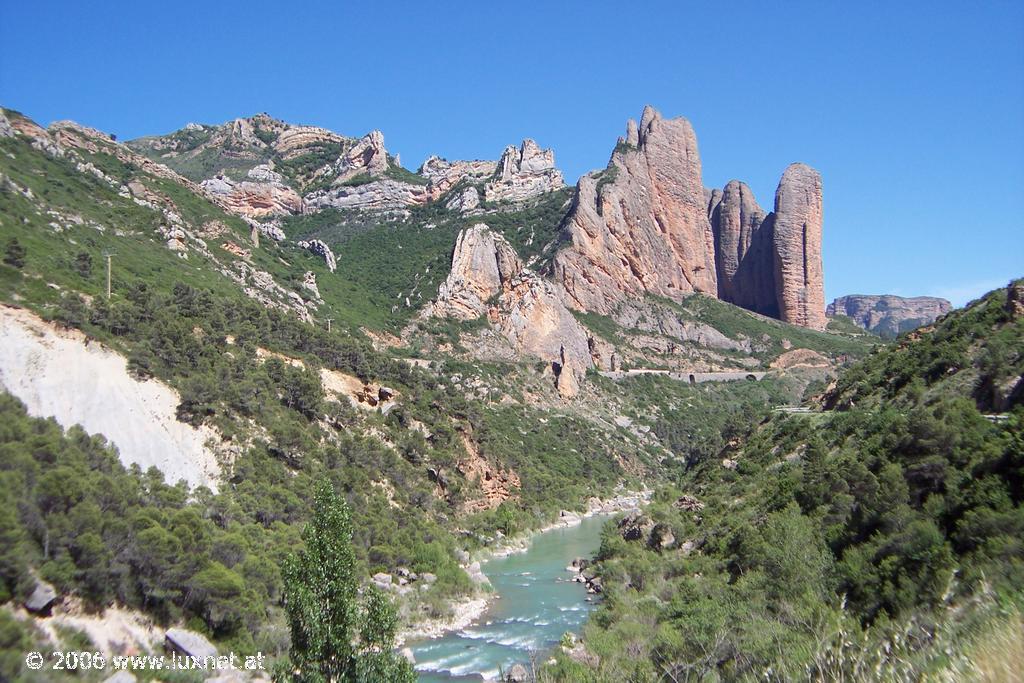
108, 255
328, 323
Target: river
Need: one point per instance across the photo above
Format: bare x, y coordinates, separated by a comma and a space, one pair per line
537, 602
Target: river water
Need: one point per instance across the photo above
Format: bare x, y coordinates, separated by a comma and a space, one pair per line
537, 603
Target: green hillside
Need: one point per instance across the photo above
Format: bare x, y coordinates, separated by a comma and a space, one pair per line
877, 539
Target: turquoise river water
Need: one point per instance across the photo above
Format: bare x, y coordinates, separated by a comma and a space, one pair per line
537, 602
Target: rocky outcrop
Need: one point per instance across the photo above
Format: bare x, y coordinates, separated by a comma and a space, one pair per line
496, 484
6, 130
647, 225
189, 643
487, 277
742, 250
799, 280
321, 249
384, 194
368, 156
264, 194
444, 175
464, 201
641, 225
1015, 299
888, 315
295, 141
523, 173
481, 263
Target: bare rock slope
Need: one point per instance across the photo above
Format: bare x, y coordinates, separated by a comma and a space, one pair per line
488, 278
60, 374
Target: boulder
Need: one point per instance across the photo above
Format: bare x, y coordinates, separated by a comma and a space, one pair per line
517, 674
689, 503
189, 643
42, 599
635, 526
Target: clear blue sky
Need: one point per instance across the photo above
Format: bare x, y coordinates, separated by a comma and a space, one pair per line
913, 112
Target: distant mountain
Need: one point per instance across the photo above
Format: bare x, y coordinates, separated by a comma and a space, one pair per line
887, 315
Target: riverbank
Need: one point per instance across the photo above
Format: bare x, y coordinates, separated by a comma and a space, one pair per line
466, 611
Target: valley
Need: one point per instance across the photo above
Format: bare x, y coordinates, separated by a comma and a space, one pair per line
464, 355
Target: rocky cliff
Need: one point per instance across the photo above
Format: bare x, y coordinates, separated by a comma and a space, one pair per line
799, 280
646, 225
888, 315
641, 225
488, 278
523, 173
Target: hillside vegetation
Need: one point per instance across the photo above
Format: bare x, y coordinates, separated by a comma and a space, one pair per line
875, 540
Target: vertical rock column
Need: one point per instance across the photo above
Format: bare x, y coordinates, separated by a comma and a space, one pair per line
799, 282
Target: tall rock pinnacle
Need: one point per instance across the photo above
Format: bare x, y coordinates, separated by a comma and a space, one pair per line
799, 281
641, 225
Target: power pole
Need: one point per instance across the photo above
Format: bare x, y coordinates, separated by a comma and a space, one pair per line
108, 255
328, 323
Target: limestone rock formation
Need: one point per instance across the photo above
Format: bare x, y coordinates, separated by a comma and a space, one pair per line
6, 131
367, 156
523, 173
444, 175
641, 225
264, 194
487, 277
464, 201
295, 141
383, 194
799, 280
320, 248
481, 263
888, 315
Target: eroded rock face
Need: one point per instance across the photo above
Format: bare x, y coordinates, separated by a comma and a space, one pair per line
888, 315
367, 156
488, 278
384, 194
321, 249
264, 194
523, 173
295, 141
444, 175
799, 280
641, 225
482, 261
6, 131
464, 201
736, 219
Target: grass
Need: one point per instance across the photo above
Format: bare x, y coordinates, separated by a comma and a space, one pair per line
737, 323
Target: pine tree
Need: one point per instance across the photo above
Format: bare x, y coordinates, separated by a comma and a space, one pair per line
14, 254
334, 638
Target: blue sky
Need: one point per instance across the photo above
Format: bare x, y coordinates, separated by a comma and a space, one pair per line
913, 112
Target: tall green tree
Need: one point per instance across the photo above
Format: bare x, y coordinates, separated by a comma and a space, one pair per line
337, 638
